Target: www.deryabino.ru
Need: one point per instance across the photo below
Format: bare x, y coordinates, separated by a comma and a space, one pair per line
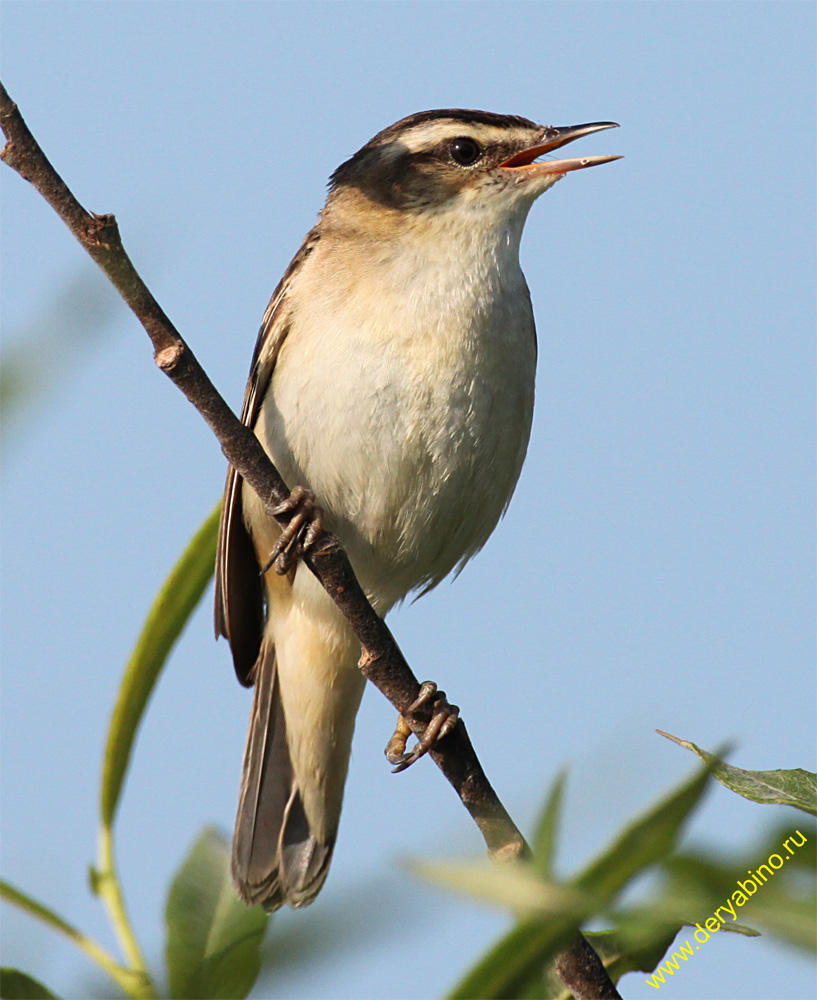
746, 888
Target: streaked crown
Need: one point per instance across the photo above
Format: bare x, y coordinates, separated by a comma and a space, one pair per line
425, 159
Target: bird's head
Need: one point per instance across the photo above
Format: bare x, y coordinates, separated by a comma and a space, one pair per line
437, 161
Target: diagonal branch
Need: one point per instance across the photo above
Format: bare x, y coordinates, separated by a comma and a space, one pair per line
382, 661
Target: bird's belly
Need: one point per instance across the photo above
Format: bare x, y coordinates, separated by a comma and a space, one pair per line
412, 445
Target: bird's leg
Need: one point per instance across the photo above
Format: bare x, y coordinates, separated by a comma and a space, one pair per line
299, 533
396, 747
443, 720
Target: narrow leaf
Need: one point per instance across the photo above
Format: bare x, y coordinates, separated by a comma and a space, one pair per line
516, 963
515, 968
649, 839
547, 829
514, 886
743, 929
16, 985
213, 939
620, 958
166, 620
780, 901
13, 895
638, 924
794, 787
125, 977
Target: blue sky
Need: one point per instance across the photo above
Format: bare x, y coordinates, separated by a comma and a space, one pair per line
656, 566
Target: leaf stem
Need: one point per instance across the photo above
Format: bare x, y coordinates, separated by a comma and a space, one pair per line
107, 886
130, 980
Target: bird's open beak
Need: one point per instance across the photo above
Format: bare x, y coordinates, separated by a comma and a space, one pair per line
553, 139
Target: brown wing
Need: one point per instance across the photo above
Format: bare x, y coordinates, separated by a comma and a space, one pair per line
239, 597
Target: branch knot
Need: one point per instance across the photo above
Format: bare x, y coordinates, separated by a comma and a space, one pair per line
168, 357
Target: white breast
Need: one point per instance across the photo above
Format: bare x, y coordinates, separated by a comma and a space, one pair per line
403, 396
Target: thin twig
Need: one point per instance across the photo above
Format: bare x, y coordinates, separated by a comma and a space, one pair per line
382, 661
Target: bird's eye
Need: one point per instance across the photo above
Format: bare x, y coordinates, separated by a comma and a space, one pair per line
464, 151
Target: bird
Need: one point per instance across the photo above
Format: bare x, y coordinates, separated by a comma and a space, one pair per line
393, 383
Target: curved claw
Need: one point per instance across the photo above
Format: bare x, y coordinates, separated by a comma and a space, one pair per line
444, 718
299, 534
396, 747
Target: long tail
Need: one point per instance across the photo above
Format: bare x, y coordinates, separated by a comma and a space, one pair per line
276, 857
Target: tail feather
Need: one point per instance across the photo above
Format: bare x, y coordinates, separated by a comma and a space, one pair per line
276, 858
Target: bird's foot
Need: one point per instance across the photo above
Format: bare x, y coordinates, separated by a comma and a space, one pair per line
443, 719
299, 533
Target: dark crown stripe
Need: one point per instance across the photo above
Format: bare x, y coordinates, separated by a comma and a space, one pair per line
464, 116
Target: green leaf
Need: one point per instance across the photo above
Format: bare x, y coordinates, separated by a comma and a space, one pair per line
743, 929
631, 947
16, 985
644, 842
547, 829
516, 886
514, 969
18, 898
166, 620
515, 966
794, 787
130, 981
213, 939
619, 957
669, 911
783, 905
